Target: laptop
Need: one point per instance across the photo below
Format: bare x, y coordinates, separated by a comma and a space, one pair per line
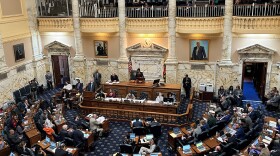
47, 140
200, 146
149, 137
53, 145
187, 149
131, 135
176, 130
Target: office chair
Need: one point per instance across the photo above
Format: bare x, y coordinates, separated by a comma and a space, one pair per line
139, 131
156, 130
221, 124
241, 145
23, 91
126, 148
213, 130
68, 141
17, 96
203, 136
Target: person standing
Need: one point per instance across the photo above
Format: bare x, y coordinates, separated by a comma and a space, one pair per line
97, 78
33, 85
187, 84
48, 77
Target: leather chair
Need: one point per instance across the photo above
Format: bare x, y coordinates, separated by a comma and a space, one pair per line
126, 148
56, 137
241, 145
156, 130
213, 130
139, 131
202, 136
220, 124
68, 141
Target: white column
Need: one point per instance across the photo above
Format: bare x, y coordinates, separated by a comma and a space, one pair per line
3, 64
79, 56
122, 31
227, 36
171, 58
33, 27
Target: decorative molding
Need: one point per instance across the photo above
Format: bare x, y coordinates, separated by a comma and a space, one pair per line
147, 25
262, 25
197, 67
55, 24
199, 25
56, 48
256, 49
16, 37
99, 25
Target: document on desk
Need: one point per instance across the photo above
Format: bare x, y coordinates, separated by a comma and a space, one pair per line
173, 135
100, 119
69, 150
272, 124
220, 139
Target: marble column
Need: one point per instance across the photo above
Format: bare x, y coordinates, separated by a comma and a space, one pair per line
123, 59
171, 61
122, 31
79, 56
3, 64
33, 27
227, 36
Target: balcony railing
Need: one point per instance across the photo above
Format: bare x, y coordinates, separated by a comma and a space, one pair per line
99, 24
256, 10
91, 10
147, 25
54, 8
201, 11
147, 12
55, 24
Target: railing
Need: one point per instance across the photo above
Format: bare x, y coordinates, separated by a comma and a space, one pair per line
201, 11
55, 24
256, 10
99, 24
54, 8
147, 12
147, 25
91, 10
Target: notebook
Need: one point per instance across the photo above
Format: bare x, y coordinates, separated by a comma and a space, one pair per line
176, 130
200, 146
187, 149
132, 136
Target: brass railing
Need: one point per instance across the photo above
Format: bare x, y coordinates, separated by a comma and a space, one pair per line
55, 24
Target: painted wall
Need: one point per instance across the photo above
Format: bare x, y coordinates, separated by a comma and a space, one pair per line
7, 10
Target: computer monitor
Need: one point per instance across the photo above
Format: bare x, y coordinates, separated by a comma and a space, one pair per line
168, 100
132, 136
186, 147
156, 81
149, 137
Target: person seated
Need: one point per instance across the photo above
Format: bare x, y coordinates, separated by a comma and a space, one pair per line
145, 150
196, 130
78, 136
261, 150
130, 96
221, 92
111, 94
204, 125
48, 121
239, 132
230, 91
223, 106
49, 131
217, 151
100, 94
273, 101
172, 96
22, 149
229, 138
226, 117
159, 98
64, 132
139, 76
95, 125
245, 110
137, 122
59, 151
248, 121
68, 86
184, 140
211, 121
91, 86
114, 78
238, 94
79, 86
272, 93
254, 115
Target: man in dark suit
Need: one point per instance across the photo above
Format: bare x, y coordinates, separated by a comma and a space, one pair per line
187, 84
63, 133
198, 52
60, 151
78, 136
97, 78
91, 86
240, 134
137, 123
114, 78
79, 86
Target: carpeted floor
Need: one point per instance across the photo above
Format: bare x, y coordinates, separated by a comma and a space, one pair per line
249, 92
110, 144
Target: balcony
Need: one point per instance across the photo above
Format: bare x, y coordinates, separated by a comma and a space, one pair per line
99, 24
55, 24
147, 25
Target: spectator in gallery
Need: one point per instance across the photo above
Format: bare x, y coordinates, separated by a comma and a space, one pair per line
159, 98
114, 78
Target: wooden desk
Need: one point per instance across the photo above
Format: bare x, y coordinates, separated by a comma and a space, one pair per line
267, 119
43, 145
90, 138
172, 138
207, 149
34, 136
6, 150
123, 88
148, 107
205, 96
46, 146
211, 142
59, 124
180, 152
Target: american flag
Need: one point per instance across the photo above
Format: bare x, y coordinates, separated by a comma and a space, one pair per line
129, 65
164, 73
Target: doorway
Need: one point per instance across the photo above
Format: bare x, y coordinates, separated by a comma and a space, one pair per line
254, 80
60, 69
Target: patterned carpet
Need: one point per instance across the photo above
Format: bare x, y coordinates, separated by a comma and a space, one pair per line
110, 144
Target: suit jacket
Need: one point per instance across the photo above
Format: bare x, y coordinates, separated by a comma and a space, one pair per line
79, 87
114, 78
91, 87
137, 124
78, 136
200, 55
60, 152
93, 124
63, 133
97, 77
240, 133
187, 82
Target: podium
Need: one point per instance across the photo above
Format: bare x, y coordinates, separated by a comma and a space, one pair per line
88, 95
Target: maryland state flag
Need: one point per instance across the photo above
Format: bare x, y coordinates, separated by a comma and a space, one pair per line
129, 65
164, 73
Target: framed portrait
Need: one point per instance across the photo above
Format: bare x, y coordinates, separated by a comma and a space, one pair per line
101, 48
199, 50
19, 52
